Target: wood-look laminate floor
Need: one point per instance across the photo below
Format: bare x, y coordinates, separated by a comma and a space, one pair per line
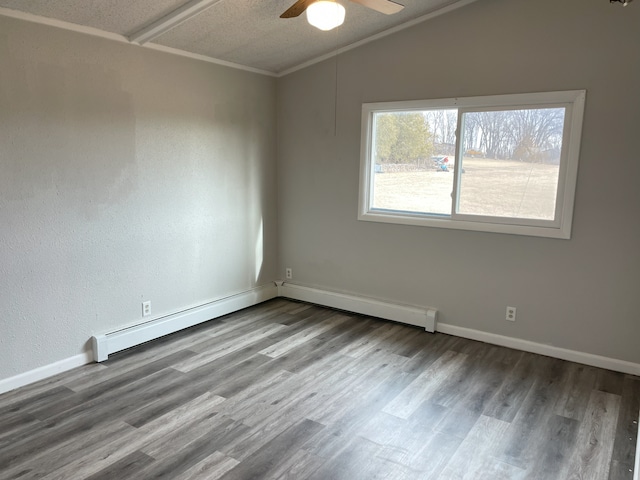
287, 390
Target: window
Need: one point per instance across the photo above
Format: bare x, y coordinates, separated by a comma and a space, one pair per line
505, 164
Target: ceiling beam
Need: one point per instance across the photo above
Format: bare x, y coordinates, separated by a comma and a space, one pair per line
172, 20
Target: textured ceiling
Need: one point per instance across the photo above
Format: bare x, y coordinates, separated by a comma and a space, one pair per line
116, 16
245, 32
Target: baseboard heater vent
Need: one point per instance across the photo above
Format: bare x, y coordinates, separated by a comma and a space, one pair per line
108, 343
424, 317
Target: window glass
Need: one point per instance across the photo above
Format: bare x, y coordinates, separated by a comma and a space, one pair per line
414, 158
511, 162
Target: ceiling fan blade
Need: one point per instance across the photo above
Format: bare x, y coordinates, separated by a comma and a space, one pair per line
297, 8
388, 7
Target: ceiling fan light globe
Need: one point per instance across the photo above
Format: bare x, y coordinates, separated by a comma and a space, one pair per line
325, 15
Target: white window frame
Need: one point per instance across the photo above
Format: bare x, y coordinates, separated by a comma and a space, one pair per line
573, 101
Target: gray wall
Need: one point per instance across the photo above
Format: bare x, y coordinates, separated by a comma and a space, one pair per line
128, 174
125, 175
581, 294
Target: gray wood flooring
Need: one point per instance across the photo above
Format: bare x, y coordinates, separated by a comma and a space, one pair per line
286, 390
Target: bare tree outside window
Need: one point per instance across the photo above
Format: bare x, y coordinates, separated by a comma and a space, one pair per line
525, 134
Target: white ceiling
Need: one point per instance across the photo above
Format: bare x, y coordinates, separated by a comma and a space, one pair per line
248, 33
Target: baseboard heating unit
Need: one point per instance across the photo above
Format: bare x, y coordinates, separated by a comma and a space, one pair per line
108, 343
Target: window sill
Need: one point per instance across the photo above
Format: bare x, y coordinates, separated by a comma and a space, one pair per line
421, 220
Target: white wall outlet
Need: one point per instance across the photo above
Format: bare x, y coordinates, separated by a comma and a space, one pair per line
146, 308
511, 314
288, 273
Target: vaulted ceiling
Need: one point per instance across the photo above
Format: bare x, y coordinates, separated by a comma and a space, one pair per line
246, 33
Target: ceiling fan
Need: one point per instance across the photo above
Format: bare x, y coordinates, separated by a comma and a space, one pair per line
328, 14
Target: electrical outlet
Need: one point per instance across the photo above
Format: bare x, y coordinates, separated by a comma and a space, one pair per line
511, 314
146, 308
288, 273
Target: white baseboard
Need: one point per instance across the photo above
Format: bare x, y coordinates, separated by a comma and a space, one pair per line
108, 343
542, 349
636, 468
11, 383
424, 317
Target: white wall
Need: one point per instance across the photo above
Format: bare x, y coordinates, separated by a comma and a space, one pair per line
125, 175
581, 294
